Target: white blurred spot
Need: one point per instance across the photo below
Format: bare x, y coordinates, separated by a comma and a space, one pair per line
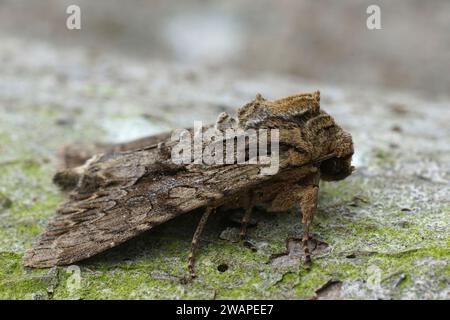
207, 38
123, 130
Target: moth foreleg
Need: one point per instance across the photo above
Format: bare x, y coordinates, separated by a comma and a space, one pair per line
308, 205
196, 238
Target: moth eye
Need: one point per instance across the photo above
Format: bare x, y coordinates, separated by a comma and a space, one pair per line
337, 165
331, 167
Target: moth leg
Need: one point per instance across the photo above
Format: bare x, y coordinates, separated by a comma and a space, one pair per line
196, 237
244, 222
247, 203
308, 205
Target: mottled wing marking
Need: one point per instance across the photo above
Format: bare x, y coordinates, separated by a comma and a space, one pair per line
116, 212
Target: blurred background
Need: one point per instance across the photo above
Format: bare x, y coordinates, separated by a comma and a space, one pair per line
322, 40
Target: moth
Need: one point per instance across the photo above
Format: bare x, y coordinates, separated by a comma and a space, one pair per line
127, 189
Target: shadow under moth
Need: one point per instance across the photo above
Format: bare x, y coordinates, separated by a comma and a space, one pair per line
119, 191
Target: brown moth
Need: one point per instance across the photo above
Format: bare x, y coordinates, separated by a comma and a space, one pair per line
130, 188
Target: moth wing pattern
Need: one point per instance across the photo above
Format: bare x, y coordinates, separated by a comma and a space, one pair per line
139, 193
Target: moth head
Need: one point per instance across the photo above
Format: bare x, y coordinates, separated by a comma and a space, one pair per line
336, 168
340, 166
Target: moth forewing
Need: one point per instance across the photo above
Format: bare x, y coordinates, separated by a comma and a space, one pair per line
182, 150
